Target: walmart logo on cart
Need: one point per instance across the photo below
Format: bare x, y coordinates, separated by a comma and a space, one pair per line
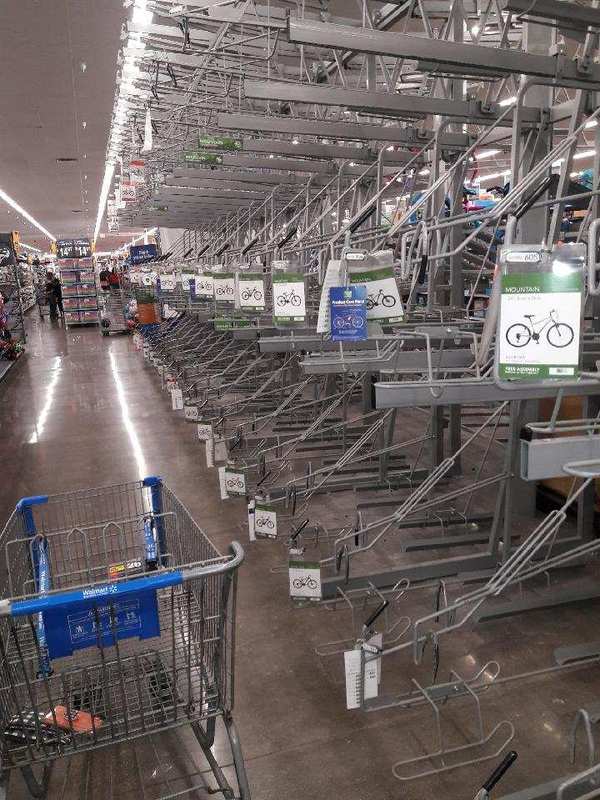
100, 591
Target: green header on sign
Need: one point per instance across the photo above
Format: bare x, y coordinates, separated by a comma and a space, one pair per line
372, 275
288, 277
200, 157
251, 276
541, 283
218, 276
304, 565
219, 142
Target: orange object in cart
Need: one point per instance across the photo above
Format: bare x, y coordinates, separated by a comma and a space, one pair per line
146, 313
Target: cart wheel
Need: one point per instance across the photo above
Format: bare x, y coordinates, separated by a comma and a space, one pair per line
104, 333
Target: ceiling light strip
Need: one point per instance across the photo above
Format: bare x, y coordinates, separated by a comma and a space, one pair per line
13, 204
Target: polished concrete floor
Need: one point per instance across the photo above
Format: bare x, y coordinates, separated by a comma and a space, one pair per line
83, 410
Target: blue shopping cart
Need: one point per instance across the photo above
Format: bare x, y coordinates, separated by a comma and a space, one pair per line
116, 621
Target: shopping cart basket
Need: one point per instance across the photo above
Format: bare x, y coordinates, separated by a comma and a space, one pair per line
117, 621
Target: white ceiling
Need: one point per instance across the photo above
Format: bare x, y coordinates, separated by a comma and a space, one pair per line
46, 98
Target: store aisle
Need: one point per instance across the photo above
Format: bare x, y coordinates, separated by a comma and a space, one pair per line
82, 410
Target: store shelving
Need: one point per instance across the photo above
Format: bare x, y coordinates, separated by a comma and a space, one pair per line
80, 294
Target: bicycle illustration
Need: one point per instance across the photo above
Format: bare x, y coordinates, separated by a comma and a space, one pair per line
234, 483
289, 298
349, 321
222, 290
558, 334
380, 299
305, 583
205, 286
264, 522
254, 294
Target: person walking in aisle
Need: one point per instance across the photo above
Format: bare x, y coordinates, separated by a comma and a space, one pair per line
51, 294
58, 294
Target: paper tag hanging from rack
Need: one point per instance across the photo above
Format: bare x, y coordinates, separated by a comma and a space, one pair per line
147, 146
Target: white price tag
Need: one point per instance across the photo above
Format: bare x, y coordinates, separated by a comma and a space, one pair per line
305, 579
265, 521
177, 399
220, 448
235, 482
210, 452
204, 431
137, 341
251, 518
223, 483
190, 413
354, 679
146, 350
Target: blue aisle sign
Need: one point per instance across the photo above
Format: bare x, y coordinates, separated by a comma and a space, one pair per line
142, 253
348, 313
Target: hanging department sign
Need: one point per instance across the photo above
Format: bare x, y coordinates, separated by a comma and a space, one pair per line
200, 157
219, 143
251, 291
289, 301
539, 322
382, 302
348, 313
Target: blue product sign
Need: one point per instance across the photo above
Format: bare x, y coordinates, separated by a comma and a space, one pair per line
141, 253
83, 624
348, 313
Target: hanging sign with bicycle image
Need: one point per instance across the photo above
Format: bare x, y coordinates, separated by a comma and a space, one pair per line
348, 313
538, 332
251, 291
265, 520
305, 579
289, 301
235, 482
382, 302
224, 287
204, 286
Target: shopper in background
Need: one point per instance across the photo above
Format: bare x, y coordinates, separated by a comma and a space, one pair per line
113, 279
51, 294
58, 294
104, 278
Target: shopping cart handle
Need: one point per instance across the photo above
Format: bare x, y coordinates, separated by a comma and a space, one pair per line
508, 760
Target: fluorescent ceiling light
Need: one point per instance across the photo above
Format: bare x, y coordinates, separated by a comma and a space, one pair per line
508, 101
584, 154
13, 204
29, 247
424, 172
494, 175
487, 154
591, 124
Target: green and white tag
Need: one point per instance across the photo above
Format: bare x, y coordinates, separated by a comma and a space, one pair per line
190, 413
265, 520
383, 298
289, 299
235, 482
539, 325
224, 284
204, 285
205, 431
251, 291
305, 579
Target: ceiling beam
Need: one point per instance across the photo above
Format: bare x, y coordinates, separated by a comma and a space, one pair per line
360, 131
454, 56
403, 105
